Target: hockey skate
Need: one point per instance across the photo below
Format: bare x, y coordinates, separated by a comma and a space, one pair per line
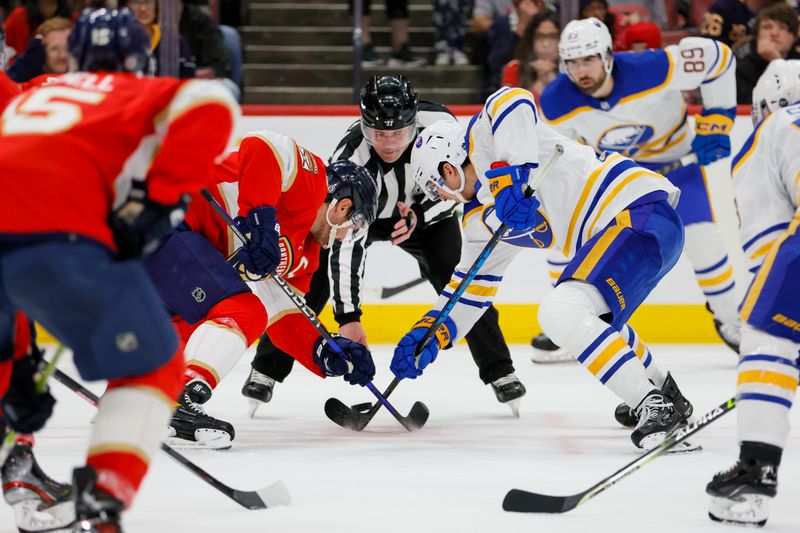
626, 415
658, 417
741, 495
258, 390
509, 389
39, 503
546, 351
95, 511
192, 427
731, 334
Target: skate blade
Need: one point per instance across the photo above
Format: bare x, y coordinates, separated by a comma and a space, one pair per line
252, 407
752, 510
514, 406
30, 517
556, 356
653, 441
206, 439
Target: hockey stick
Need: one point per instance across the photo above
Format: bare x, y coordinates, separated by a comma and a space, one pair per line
675, 165
410, 422
388, 292
352, 417
41, 384
521, 501
264, 498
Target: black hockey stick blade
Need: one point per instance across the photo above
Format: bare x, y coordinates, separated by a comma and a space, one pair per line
388, 292
521, 501
275, 494
355, 419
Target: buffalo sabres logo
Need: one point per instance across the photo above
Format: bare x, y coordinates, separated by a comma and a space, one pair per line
541, 236
198, 294
626, 139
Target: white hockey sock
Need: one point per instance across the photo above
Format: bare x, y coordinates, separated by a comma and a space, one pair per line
705, 249
570, 317
654, 373
212, 351
766, 385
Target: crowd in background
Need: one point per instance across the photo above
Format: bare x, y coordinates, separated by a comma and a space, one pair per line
515, 42
36, 34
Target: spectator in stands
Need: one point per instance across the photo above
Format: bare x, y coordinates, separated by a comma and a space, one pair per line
775, 37
536, 57
729, 21
46, 53
506, 32
486, 12
599, 10
146, 12
450, 22
642, 36
402, 56
655, 8
207, 45
21, 24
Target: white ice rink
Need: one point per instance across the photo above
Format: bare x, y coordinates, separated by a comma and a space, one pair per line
451, 475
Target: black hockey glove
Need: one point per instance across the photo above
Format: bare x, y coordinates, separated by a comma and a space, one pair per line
25, 410
140, 223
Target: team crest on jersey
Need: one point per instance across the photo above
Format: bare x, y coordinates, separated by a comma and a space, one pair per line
307, 160
625, 139
287, 255
540, 236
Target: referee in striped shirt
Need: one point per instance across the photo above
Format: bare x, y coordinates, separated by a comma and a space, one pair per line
381, 140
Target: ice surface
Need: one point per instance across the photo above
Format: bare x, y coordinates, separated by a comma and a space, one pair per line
450, 476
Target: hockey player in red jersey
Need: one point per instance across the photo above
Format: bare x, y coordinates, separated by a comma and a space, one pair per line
290, 205
94, 168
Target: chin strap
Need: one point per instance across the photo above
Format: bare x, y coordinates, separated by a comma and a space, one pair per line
334, 227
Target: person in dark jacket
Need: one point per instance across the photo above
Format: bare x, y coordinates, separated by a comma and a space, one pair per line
205, 41
774, 37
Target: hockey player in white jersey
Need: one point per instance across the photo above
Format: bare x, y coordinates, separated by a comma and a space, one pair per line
613, 219
631, 103
766, 181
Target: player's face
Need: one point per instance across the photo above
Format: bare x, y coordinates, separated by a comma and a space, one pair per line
588, 73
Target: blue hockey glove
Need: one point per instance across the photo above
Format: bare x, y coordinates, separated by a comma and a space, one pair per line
404, 364
355, 362
513, 208
711, 140
24, 409
140, 223
262, 254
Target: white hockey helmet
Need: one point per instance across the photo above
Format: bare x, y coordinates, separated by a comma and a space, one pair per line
441, 142
778, 86
584, 38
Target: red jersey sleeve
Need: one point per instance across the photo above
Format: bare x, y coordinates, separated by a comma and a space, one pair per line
264, 159
198, 125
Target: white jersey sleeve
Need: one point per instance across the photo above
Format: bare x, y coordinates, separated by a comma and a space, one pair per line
706, 64
513, 117
766, 182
